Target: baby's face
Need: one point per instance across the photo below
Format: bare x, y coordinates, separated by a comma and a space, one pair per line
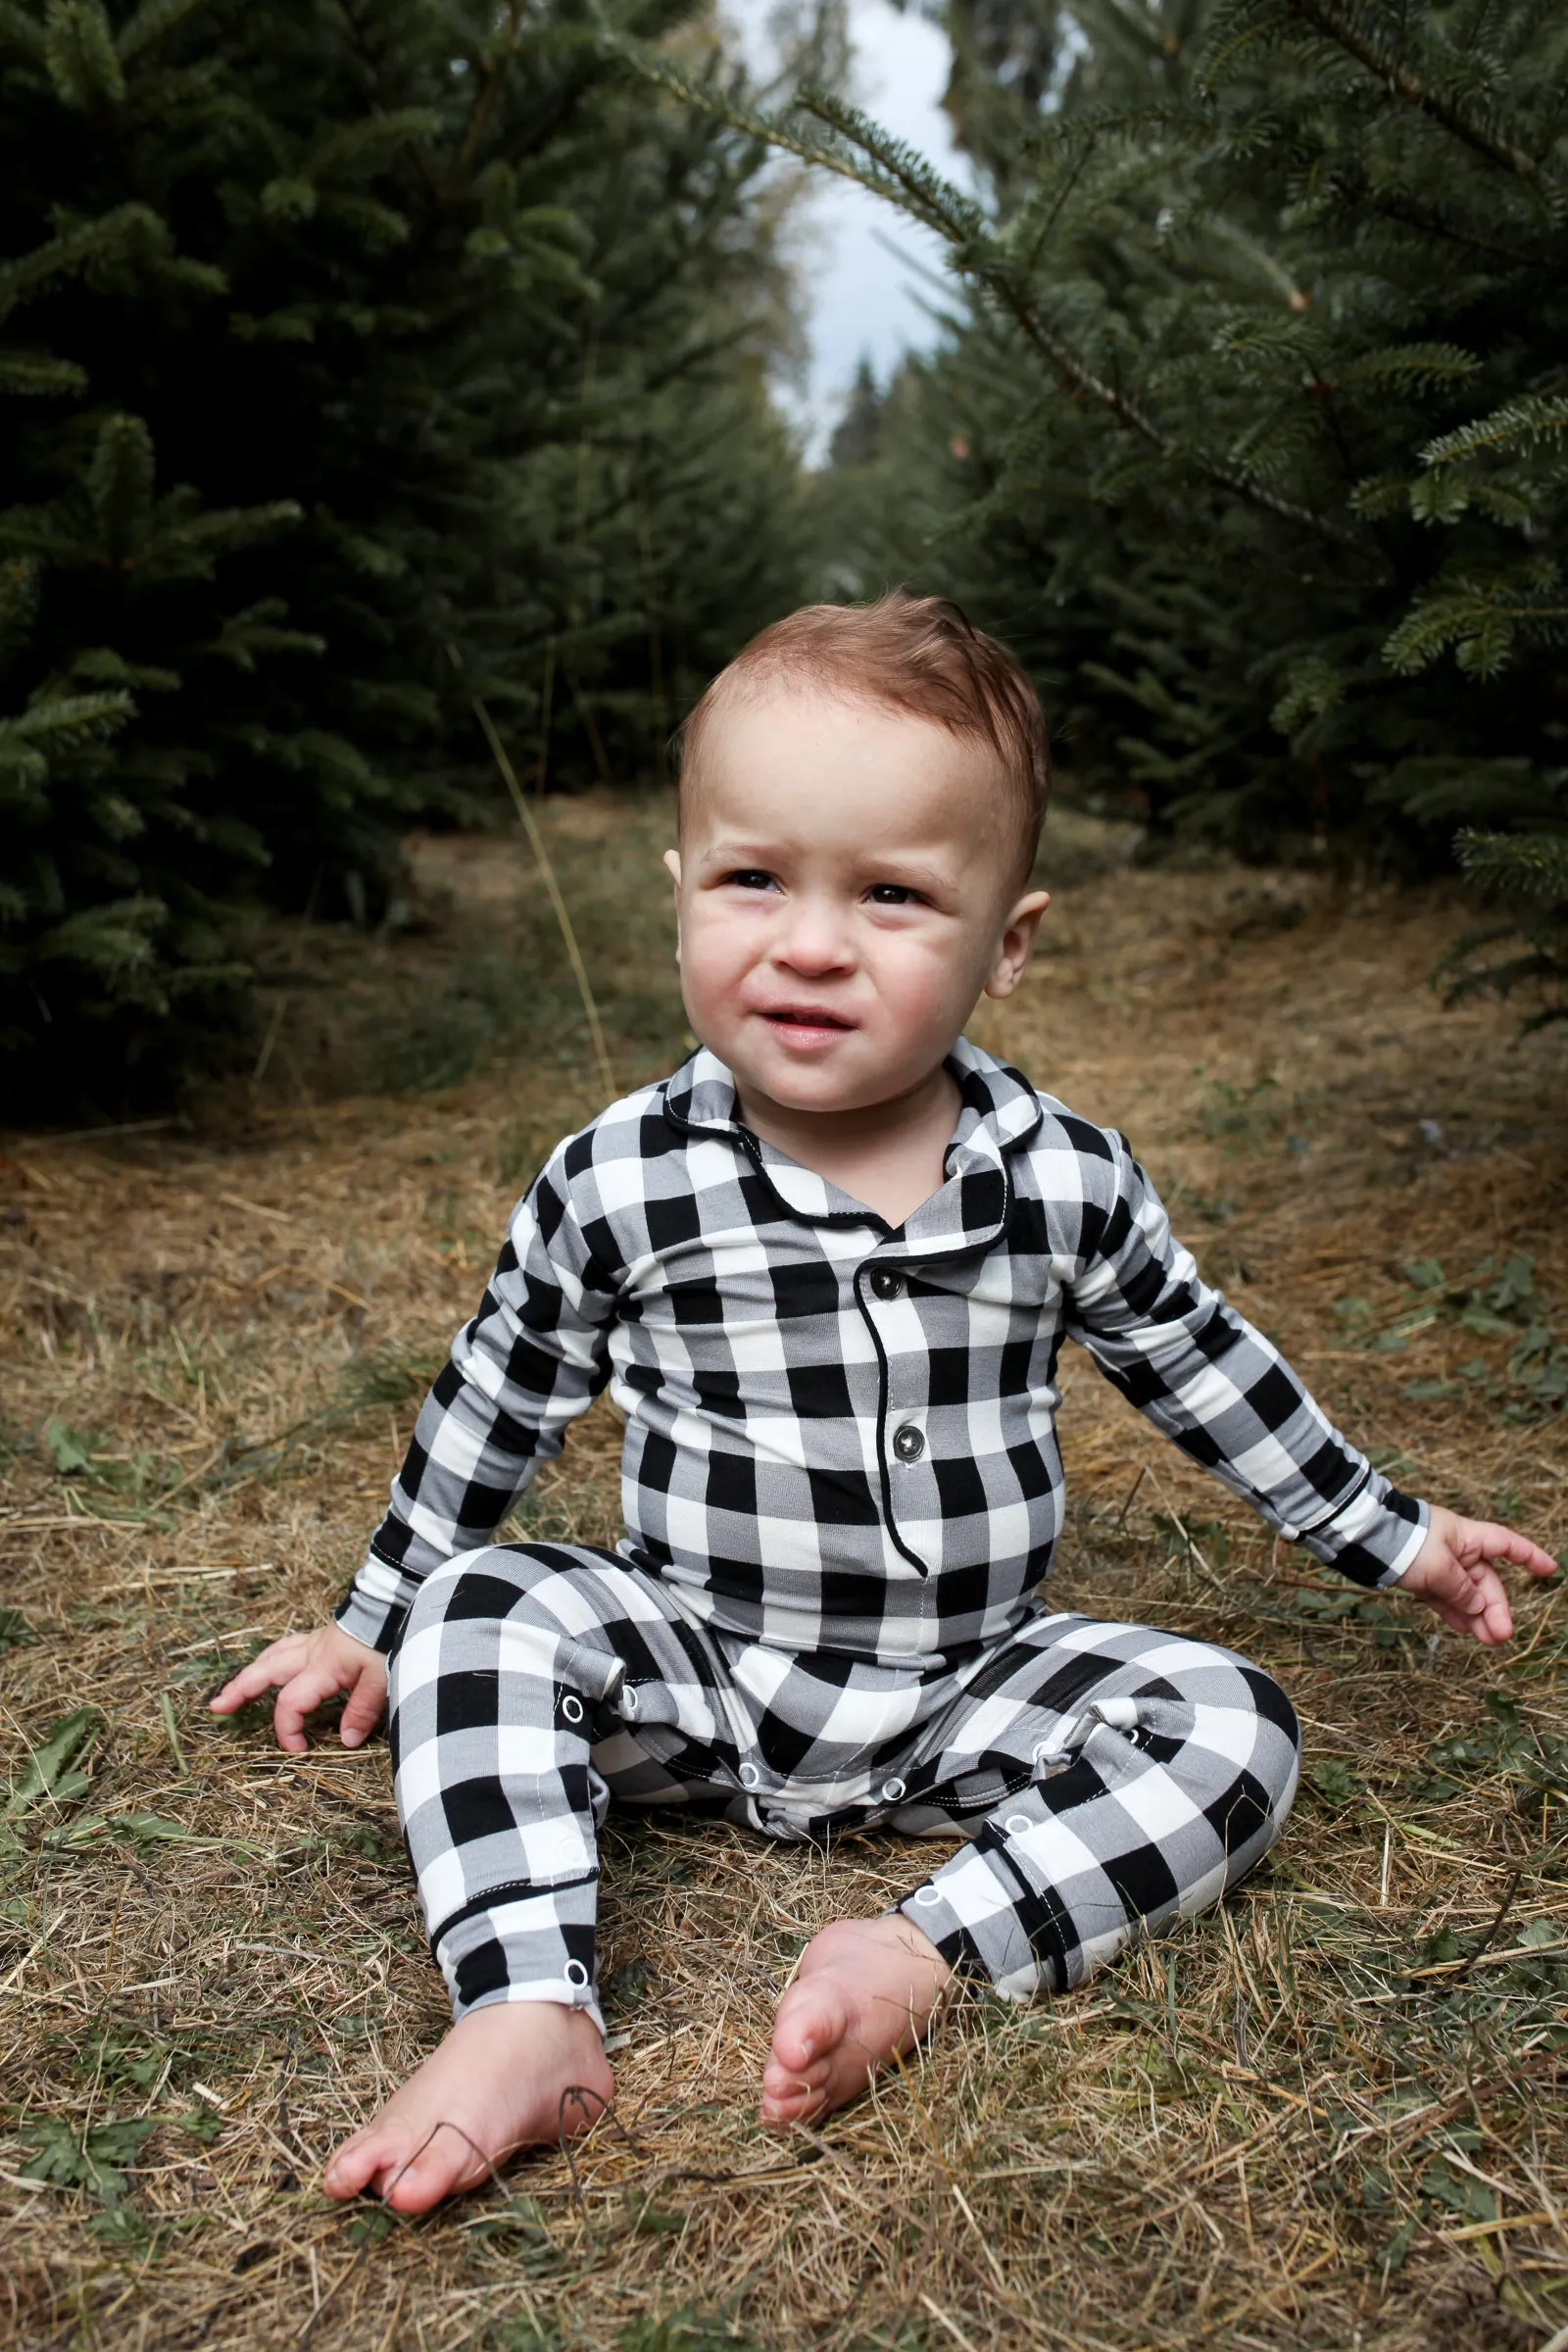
846, 894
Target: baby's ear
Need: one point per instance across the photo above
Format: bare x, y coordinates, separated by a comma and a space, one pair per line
672, 862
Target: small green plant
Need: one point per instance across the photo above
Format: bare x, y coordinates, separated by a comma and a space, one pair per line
1503, 1746
98, 2161
1495, 1303
1334, 1781
48, 1776
15, 1630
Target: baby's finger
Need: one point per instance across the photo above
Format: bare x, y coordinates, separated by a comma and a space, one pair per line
1489, 1617
301, 1696
1492, 1541
364, 1710
277, 1661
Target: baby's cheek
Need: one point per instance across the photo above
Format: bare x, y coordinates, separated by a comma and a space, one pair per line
714, 960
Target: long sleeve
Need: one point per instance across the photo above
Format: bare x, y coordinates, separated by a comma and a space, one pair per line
533, 1358
1217, 1387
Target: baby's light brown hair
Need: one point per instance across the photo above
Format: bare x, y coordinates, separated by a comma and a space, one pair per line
914, 654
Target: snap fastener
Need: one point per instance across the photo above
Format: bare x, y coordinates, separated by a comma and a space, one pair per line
628, 1699
750, 1776
909, 1444
885, 1283
575, 1972
928, 1895
1016, 1824
571, 1708
891, 1790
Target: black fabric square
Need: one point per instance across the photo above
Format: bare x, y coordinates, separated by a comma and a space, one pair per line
1237, 1817
1143, 1880
819, 1392
1271, 1702
731, 1484
950, 1374
480, 1972
468, 1701
477, 1808
805, 1290
673, 1220
960, 1489
841, 1498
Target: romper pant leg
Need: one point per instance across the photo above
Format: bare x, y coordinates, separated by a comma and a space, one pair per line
531, 1679
1139, 1776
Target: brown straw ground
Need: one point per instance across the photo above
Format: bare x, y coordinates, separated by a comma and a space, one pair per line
1329, 2113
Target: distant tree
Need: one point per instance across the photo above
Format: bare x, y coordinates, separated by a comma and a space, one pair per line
354, 362
858, 429
1258, 369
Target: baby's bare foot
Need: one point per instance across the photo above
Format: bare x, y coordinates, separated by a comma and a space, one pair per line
505, 2076
865, 1992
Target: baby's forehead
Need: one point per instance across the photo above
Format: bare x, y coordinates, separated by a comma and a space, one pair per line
778, 727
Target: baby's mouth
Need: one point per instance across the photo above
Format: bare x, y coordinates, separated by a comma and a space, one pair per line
805, 1020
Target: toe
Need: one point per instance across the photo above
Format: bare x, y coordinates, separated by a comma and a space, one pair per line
355, 2165
812, 2022
447, 2162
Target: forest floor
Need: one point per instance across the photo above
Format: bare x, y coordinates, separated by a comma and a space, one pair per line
1330, 2114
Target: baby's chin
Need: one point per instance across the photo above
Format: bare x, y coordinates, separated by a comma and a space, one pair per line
834, 1084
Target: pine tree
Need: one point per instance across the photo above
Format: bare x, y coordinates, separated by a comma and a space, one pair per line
1259, 375
355, 362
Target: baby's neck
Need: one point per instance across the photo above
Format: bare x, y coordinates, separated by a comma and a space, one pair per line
889, 1155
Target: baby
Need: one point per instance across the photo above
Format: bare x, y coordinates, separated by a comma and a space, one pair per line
826, 1270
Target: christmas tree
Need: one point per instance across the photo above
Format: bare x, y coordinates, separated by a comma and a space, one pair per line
356, 363
1252, 428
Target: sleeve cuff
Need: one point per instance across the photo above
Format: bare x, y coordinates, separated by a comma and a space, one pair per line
375, 1604
1374, 1538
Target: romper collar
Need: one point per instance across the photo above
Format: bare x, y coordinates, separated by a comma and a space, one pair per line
998, 1109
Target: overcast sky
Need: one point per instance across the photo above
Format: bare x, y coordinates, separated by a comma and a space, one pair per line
862, 258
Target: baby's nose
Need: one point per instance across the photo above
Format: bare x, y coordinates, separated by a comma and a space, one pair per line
817, 939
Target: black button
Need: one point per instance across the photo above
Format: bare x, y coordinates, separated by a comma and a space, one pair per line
908, 1445
887, 1284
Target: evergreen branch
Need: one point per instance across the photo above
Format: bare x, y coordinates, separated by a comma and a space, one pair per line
1337, 24
1411, 215
78, 715
909, 183
1410, 366
39, 373
1525, 864
924, 193
1136, 419
22, 32
720, 106
1529, 421
80, 247
149, 24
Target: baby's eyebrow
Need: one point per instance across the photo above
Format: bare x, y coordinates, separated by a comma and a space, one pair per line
741, 853
911, 874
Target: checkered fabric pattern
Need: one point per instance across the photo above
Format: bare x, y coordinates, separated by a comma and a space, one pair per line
839, 1436
1108, 1776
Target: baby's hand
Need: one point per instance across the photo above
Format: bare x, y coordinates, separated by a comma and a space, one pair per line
304, 1669
1453, 1573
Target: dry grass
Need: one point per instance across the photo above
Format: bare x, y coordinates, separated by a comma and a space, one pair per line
1329, 2115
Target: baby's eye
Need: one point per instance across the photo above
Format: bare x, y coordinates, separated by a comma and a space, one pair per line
892, 894
750, 877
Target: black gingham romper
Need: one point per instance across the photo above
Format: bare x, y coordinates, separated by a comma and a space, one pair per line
842, 1492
